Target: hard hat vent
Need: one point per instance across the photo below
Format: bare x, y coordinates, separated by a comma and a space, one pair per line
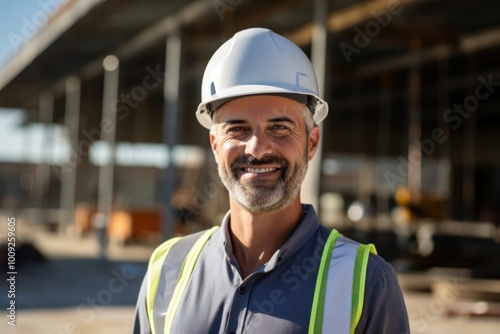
212, 89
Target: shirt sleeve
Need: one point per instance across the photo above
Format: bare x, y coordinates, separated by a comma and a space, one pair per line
141, 322
384, 309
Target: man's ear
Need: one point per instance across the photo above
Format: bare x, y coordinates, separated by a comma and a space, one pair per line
213, 144
313, 143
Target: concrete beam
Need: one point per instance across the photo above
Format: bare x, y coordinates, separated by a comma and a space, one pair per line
44, 39
155, 34
468, 44
346, 18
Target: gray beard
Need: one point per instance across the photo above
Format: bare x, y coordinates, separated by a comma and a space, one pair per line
264, 195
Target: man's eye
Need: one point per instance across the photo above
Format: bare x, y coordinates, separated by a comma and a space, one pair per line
279, 128
236, 130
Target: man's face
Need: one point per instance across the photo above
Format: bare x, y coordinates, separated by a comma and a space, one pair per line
262, 150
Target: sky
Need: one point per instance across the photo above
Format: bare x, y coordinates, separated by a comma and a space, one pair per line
34, 143
19, 22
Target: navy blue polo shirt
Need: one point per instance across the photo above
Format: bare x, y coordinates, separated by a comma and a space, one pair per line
276, 298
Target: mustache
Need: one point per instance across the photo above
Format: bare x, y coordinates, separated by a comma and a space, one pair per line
248, 160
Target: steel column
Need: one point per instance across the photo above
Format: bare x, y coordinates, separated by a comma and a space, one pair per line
108, 133
42, 170
68, 171
310, 186
170, 111
415, 126
469, 153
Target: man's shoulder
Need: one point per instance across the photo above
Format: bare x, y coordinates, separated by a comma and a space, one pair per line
380, 275
184, 242
377, 268
384, 310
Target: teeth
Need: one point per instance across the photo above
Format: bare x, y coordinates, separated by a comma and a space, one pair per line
259, 170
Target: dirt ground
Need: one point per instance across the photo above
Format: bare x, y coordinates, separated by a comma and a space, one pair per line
70, 291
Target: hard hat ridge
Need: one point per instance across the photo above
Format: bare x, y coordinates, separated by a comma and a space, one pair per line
258, 61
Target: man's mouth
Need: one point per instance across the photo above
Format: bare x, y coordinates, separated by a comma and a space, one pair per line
259, 170
249, 167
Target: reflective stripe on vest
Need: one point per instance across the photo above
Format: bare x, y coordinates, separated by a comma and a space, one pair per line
340, 286
338, 297
171, 259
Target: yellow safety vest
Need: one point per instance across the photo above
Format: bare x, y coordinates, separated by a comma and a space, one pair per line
341, 278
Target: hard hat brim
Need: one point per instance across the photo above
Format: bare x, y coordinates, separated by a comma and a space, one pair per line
204, 111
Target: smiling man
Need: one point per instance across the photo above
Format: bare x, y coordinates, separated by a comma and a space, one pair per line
271, 267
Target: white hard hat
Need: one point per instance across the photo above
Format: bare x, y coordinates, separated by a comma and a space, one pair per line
258, 61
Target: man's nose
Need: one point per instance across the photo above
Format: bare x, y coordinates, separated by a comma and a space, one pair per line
258, 145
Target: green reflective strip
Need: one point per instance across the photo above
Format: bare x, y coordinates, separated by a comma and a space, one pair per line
185, 274
358, 288
154, 274
316, 322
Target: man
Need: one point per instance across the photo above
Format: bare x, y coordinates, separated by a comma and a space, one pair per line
271, 267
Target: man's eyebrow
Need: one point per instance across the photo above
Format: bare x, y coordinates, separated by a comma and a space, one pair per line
233, 121
281, 119
271, 120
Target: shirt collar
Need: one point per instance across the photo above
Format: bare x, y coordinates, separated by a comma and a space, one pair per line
302, 234
225, 237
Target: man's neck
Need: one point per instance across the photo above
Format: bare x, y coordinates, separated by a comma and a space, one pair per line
257, 236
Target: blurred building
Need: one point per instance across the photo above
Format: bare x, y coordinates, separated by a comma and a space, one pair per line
412, 134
